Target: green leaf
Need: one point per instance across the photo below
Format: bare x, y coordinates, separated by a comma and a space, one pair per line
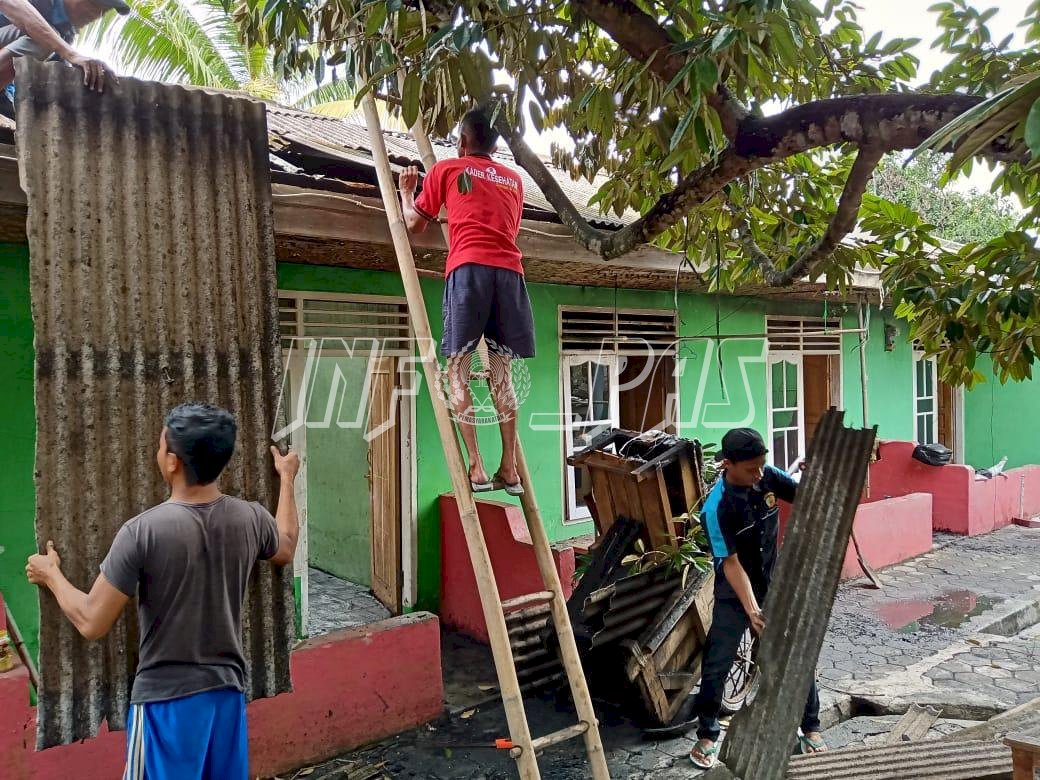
376, 19
684, 71
685, 46
700, 131
410, 95
465, 183
438, 36
1032, 131
460, 37
724, 38
682, 127
707, 73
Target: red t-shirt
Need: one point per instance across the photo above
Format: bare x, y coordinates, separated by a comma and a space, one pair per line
482, 223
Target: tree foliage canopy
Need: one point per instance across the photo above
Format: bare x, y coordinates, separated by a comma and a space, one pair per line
962, 217
745, 131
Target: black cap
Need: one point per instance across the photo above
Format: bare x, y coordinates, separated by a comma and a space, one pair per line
116, 5
742, 444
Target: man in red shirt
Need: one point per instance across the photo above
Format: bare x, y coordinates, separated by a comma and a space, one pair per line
484, 290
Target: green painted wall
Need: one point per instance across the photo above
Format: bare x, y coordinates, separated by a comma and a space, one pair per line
338, 508
1002, 419
708, 403
890, 393
18, 433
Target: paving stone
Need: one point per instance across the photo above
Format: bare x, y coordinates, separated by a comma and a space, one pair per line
1018, 686
992, 673
858, 647
970, 678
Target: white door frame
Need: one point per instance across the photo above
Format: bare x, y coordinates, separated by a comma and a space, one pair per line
295, 368
295, 364
575, 513
773, 359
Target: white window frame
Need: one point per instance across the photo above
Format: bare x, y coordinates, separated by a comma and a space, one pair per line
920, 357
785, 358
580, 513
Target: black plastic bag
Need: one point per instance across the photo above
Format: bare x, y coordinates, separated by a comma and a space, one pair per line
933, 454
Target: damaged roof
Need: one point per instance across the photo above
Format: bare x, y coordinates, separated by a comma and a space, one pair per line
300, 134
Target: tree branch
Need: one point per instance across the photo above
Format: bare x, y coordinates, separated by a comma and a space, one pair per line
885, 123
643, 38
841, 224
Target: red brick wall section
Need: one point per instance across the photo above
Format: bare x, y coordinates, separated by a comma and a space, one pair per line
349, 688
512, 558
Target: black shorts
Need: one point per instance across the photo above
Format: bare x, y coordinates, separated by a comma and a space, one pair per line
482, 300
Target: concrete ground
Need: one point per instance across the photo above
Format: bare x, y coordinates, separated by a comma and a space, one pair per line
336, 603
954, 628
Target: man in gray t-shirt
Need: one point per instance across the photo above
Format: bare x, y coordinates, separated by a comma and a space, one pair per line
188, 561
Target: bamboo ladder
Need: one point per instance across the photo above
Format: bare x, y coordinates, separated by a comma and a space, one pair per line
526, 747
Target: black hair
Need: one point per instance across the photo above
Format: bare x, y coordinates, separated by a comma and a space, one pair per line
477, 127
203, 437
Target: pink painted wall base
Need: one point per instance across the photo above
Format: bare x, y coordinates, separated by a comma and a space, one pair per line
961, 503
349, 688
889, 531
512, 559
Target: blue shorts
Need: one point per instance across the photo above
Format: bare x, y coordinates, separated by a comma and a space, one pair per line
196, 737
483, 300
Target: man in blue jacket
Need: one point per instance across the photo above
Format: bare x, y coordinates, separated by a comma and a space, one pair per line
741, 518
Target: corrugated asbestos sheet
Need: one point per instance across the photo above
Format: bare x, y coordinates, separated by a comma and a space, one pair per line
800, 599
928, 760
352, 140
153, 282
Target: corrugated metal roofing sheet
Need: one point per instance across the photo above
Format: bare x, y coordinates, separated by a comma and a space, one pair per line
305, 127
927, 760
800, 598
153, 282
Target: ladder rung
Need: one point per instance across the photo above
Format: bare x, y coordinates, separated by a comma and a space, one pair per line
541, 743
528, 600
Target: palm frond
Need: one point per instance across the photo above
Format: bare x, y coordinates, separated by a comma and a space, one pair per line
172, 40
979, 126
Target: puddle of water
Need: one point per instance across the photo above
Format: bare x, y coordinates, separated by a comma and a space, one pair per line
949, 609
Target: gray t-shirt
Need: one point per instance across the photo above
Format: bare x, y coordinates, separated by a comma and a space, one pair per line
189, 565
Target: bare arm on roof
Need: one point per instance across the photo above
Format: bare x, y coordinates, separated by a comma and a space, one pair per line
26, 18
286, 515
94, 613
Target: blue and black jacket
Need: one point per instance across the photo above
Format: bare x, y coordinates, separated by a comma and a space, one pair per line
745, 522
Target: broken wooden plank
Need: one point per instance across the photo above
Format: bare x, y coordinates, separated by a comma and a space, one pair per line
1025, 755
929, 760
914, 725
1024, 718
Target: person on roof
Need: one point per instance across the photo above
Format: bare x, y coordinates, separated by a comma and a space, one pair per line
46, 28
484, 290
188, 561
741, 519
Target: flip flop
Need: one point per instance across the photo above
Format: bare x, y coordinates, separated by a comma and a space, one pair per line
516, 489
811, 746
710, 756
482, 487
